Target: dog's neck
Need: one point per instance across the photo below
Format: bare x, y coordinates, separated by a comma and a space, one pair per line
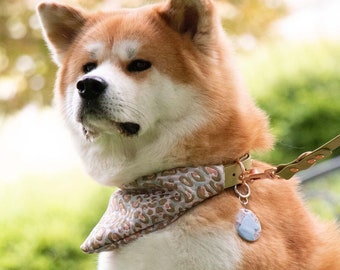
152, 202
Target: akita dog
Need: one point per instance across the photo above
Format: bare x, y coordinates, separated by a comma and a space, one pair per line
156, 107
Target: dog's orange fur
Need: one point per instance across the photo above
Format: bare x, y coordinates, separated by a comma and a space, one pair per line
292, 238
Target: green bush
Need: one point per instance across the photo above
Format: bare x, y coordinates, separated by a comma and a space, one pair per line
44, 220
323, 196
299, 88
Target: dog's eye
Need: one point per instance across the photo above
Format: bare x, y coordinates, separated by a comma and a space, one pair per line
138, 65
89, 66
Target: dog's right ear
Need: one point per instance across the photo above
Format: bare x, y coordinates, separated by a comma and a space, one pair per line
60, 25
195, 18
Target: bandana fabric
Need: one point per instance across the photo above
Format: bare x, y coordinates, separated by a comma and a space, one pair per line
151, 203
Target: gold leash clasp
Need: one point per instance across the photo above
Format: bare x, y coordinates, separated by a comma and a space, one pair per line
253, 174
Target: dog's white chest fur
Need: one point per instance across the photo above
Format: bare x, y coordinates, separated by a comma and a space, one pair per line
177, 247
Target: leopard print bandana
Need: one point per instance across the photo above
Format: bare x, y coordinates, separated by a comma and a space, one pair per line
151, 203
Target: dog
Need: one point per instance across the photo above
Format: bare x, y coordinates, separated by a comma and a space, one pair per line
155, 89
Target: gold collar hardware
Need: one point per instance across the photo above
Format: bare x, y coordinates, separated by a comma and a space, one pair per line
234, 172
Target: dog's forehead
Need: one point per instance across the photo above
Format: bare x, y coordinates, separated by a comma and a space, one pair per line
95, 49
125, 50
119, 35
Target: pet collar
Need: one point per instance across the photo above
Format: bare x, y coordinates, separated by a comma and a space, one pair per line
152, 202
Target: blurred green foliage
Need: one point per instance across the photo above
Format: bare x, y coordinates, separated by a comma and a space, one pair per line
323, 195
299, 87
250, 18
44, 220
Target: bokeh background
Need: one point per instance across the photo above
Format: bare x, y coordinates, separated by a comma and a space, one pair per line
289, 52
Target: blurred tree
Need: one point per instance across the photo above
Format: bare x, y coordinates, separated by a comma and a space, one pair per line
251, 17
27, 73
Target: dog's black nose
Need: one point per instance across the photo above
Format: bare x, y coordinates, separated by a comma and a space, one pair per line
91, 87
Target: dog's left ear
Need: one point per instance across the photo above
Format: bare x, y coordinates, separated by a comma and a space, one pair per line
193, 17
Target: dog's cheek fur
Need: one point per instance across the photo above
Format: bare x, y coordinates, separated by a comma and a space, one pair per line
236, 125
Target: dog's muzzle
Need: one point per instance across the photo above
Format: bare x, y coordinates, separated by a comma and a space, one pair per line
90, 89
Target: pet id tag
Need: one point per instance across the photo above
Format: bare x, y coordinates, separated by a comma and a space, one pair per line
248, 225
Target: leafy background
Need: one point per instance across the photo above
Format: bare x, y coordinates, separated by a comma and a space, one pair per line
48, 205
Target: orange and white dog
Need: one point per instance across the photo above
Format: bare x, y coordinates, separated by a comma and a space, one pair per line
155, 88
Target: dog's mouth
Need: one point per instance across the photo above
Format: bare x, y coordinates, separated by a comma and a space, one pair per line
127, 129
95, 122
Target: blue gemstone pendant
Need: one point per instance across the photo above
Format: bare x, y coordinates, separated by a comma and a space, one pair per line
248, 225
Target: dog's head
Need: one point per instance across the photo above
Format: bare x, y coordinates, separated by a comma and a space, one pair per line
149, 89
